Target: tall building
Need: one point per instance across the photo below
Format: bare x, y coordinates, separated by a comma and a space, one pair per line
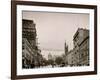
66, 54
29, 31
84, 49
79, 55
27, 54
66, 48
69, 58
30, 53
81, 47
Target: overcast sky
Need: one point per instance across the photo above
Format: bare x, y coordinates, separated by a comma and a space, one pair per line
53, 29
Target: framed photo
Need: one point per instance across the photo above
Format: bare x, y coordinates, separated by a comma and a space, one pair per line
53, 39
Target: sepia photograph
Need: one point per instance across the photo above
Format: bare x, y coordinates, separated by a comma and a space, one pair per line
54, 39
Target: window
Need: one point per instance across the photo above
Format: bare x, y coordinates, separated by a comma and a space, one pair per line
23, 47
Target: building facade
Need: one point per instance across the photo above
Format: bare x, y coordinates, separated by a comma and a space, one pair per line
27, 54
70, 58
84, 49
66, 53
31, 56
29, 32
79, 56
81, 47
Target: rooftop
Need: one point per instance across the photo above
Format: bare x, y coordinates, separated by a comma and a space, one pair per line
78, 32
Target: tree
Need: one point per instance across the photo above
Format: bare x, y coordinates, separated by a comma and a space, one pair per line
58, 60
50, 61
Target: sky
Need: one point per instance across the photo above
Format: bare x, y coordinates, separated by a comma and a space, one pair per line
53, 29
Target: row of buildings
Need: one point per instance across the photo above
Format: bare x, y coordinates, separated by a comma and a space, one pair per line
79, 55
31, 56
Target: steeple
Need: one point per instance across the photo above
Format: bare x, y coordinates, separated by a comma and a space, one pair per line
66, 48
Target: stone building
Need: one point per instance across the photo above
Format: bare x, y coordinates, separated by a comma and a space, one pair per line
84, 49
31, 53
27, 54
29, 31
79, 55
66, 54
66, 48
70, 58
81, 47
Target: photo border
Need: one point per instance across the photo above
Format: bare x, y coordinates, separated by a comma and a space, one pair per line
14, 39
